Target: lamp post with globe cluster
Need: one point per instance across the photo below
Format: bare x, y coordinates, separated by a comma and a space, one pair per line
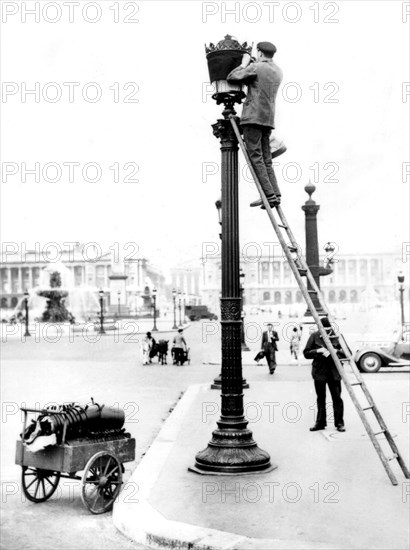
232, 449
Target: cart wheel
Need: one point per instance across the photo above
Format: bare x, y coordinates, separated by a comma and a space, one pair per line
101, 482
38, 485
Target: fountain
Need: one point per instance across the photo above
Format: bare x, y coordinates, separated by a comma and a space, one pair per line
56, 311
56, 299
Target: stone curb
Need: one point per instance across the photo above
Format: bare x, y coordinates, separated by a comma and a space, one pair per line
137, 519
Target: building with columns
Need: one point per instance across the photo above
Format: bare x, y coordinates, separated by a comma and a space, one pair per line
187, 280
23, 269
269, 280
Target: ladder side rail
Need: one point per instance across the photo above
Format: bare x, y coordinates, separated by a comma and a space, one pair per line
248, 160
310, 304
333, 353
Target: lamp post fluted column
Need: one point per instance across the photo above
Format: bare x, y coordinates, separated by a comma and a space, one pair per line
26, 321
101, 294
179, 309
174, 298
232, 449
154, 299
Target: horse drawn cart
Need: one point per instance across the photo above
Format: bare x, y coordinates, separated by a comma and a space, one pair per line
84, 441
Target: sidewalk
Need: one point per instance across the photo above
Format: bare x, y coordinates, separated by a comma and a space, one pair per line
329, 490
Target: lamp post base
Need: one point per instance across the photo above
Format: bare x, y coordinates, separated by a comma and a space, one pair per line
217, 383
232, 452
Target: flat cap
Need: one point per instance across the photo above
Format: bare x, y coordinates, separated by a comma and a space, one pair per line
266, 47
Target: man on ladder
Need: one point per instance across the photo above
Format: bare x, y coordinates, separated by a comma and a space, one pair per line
263, 78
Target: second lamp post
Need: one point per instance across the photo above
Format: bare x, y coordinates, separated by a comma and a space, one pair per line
154, 299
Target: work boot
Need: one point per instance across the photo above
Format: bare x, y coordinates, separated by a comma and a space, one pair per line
276, 147
273, 201
271, 198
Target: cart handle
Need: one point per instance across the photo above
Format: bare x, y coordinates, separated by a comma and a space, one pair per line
42, 411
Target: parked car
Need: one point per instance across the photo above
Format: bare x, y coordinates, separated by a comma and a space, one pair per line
195, 313
395, 352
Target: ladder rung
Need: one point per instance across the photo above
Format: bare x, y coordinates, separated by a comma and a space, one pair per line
312, 296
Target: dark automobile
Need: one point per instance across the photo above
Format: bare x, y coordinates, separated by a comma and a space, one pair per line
372, 356
195, 313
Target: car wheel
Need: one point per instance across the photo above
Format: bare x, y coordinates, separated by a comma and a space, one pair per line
370, 362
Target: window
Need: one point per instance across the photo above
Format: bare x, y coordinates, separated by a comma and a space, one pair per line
266, 296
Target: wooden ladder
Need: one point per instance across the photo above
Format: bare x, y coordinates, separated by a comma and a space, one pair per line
332, 341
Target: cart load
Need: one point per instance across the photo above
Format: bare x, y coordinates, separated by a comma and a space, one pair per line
65, 439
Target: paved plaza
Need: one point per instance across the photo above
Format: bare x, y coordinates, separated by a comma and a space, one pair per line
110, 370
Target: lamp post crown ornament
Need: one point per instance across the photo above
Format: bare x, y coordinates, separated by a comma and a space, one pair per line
228, 43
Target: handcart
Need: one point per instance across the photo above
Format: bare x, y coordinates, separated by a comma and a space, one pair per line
100, 457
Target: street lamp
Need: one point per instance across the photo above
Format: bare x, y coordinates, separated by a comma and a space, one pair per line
174, 296
119, 302
184, 308
329, 249
243, 341
231, 449
400, 278
26, 296
154, 297
179, 308
101, 294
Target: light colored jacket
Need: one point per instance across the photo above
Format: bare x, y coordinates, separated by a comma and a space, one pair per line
263, 79
179, 341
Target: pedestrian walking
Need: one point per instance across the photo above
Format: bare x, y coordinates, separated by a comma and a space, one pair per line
295, 343
179, 348
269, 347
324, 372
148, 347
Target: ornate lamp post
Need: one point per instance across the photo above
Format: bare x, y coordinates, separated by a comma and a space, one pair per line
243, 341
179, 308
217, 383
26, 297
174, 296
154, 297
400, 278
312, 246
101, 295
232, 449
119, 302
183, 309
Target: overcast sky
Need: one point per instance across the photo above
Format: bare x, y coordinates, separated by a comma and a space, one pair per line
361, 139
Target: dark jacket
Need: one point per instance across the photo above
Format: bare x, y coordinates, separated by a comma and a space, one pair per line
263, 79
323, 367
268, 345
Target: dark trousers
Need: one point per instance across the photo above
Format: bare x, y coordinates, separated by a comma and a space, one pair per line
257, 144
178, 356
335, 387
271, 359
